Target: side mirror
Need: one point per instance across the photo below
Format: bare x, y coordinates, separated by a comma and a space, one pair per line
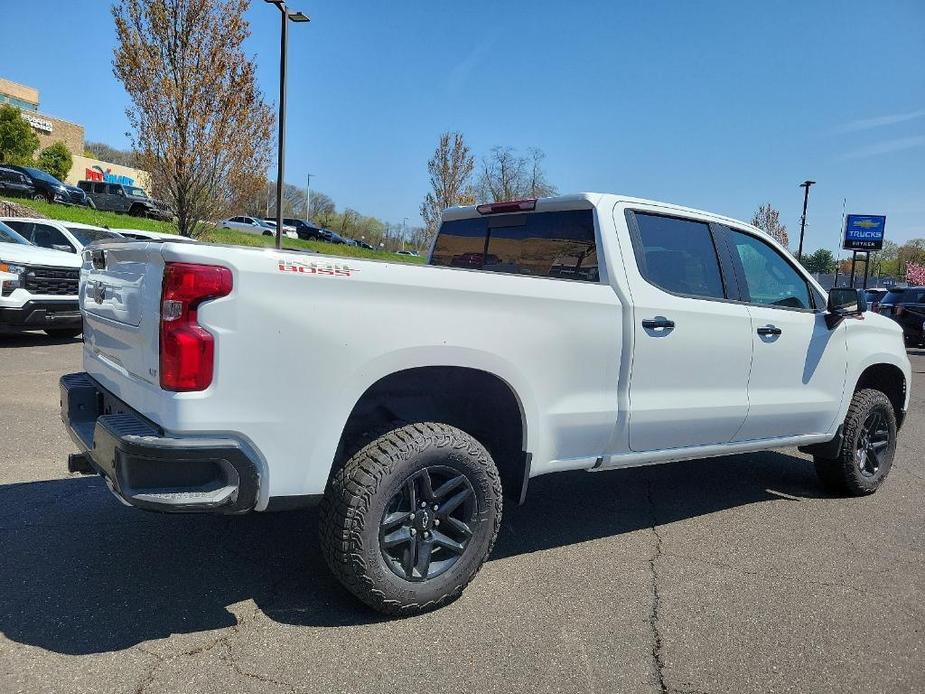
844, 302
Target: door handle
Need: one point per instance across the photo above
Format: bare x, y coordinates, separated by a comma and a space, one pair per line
769, 330
656, 323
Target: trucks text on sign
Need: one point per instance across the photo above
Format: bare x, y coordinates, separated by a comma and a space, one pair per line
864, 232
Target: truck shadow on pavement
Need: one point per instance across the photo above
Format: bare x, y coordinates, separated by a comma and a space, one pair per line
80, 573
35, 340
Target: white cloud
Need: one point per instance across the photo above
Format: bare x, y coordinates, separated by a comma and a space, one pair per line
897, 145
879, 121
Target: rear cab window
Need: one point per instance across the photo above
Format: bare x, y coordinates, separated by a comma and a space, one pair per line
557, 244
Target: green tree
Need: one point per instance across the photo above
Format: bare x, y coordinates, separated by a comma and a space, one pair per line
17, 141
822, 261
56, 159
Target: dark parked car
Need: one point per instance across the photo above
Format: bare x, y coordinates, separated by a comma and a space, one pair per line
47, 187
15, 183
873, 296
907, 307
76, 196
118, 197
306, 230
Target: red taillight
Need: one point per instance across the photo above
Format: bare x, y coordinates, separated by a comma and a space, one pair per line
507, 206
187, 349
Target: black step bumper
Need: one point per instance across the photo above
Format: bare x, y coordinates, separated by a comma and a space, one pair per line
39, 315
147, 469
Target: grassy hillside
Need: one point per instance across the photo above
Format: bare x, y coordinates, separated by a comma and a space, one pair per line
86, 215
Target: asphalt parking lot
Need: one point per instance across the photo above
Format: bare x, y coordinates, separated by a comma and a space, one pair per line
724, 575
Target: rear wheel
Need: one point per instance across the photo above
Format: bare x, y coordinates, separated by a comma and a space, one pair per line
408, 521
268, 233
868, 446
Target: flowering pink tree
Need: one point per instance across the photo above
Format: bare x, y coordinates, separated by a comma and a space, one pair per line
915, 274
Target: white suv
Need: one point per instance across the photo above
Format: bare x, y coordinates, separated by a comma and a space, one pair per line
38, 288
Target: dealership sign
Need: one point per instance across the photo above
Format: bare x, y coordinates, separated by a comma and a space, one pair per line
96, 173
864, 232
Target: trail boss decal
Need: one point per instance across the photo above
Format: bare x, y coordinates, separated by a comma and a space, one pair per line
316, 268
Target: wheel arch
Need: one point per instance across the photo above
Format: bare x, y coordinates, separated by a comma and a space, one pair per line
889, 379
479, 402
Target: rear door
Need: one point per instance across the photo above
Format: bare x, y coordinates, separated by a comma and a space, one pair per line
119, 295
798, 365
692, 346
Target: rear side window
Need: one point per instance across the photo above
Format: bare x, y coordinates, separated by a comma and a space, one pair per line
904, 296
88, 236
542, 244
677, 255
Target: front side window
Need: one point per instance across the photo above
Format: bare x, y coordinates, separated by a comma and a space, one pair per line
678, 255
42, 235
769, 278
99, 188
541, 244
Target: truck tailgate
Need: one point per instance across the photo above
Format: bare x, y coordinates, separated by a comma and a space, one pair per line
120, 293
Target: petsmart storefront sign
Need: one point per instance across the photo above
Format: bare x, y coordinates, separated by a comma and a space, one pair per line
88, 169
96, 173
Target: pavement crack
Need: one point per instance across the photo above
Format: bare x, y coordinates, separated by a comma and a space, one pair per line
658, 660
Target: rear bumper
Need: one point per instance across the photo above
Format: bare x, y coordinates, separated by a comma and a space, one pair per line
38, 315
147, 469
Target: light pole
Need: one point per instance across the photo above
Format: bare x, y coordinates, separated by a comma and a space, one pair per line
404, 222
805, 186
286, 15
308, 195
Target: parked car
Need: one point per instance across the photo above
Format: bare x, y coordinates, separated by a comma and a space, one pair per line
70, 237
906, 306
406, 253
77, 196
306, 230
144, 235
251, 225
38, 287
288, 231
873, 296
363, 244
118, 197
47, 187
697, 336
329, 236
15, 183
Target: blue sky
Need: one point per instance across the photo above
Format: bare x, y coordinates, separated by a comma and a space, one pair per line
720, 105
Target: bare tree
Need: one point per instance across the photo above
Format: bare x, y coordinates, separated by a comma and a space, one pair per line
201, 125
450, 169
320, 208
507, 176
768, 219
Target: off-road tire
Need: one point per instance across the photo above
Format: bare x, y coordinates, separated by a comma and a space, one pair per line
842, 474
357, 497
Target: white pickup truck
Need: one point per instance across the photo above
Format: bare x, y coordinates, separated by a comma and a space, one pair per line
581, 332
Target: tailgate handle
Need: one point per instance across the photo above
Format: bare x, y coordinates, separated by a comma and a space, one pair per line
98, 256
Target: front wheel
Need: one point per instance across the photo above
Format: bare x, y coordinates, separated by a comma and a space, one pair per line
868, 447
408, 521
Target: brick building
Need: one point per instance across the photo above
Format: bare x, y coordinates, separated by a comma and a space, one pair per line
48, 128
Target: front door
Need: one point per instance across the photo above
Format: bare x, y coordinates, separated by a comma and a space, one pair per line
799, 365
692, 347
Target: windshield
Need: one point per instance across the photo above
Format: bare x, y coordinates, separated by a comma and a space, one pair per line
87, 236
135, 192
7, 235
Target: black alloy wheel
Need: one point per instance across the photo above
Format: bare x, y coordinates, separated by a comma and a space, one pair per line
873, 442
426, 526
